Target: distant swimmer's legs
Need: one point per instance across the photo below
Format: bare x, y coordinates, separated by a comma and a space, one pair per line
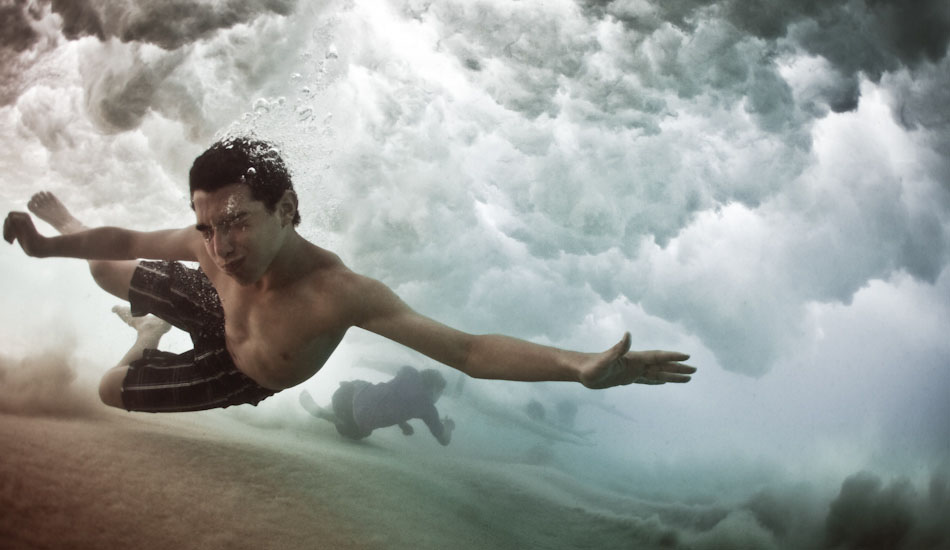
149, 331
113, 276
307, 402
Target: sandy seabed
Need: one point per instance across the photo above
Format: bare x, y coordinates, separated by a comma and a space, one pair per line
109, 479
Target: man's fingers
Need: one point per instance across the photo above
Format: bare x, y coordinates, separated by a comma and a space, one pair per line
660, 357
656, 356
667, 372
673, 377
662, 377
678, 368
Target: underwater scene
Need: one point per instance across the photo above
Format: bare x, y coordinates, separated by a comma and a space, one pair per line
762, 186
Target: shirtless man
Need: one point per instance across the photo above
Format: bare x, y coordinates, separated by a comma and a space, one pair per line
267, 307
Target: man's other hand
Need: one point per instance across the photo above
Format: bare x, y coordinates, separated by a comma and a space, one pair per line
619, 366
19, 227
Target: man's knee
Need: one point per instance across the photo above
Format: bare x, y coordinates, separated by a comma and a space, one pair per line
110, 387
102, 271
113, 276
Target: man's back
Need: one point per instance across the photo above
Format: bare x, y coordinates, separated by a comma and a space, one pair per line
404, 397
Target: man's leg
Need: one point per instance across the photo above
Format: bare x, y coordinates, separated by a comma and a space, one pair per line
343, 409
113, 276
149, 331
307, 402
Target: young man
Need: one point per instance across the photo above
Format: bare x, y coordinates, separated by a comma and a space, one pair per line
267, 307
359, 407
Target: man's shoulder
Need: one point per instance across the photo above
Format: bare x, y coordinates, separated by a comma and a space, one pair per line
320, 264
328, 274
328, 269
355, 297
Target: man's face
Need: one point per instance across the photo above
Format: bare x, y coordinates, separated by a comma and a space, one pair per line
241, 236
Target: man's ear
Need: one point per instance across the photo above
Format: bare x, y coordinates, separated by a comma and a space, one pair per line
287, 207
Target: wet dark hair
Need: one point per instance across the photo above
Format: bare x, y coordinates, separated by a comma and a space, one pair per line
242, 159
433, 380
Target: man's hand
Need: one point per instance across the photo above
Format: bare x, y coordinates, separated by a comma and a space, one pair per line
19, 227
619, 366
447, 426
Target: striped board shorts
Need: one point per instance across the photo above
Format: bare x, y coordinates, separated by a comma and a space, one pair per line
202, 378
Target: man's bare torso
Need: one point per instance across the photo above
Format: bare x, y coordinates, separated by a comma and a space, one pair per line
283, 334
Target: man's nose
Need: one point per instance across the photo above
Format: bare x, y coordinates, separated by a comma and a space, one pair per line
223, 247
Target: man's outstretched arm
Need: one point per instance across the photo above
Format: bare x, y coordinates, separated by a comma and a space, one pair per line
501, 357
102, 243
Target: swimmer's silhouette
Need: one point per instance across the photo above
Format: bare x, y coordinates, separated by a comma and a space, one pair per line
360, 407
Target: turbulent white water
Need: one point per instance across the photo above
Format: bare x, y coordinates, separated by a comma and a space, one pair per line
764, 188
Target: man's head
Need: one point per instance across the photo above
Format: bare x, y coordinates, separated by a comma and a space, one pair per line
434, 382
246, 160
245, 206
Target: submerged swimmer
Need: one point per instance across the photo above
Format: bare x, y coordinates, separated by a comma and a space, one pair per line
359, 407
266, 308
